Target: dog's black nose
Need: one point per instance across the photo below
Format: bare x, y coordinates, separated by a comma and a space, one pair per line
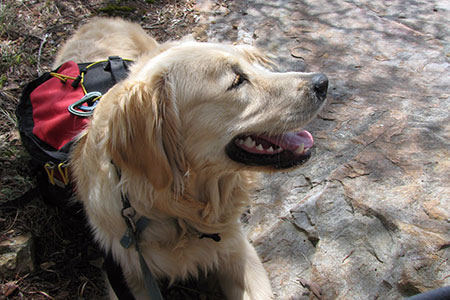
320, 85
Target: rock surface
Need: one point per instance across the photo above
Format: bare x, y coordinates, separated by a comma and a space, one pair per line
369, 216
16, 256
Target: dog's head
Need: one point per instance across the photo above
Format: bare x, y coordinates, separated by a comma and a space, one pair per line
203, 105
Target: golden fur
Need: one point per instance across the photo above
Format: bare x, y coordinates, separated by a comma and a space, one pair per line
165, 127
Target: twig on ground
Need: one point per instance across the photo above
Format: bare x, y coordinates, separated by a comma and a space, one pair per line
11, 226
42, 293
154, 25
44, 40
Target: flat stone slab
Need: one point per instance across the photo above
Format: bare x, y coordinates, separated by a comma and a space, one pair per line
16, 256
369, 216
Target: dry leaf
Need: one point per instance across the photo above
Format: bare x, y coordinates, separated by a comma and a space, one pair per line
9, 288
313, 287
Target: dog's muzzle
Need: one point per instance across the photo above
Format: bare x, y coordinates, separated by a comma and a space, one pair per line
283, 151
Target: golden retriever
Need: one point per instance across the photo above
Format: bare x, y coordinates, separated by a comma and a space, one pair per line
185, 128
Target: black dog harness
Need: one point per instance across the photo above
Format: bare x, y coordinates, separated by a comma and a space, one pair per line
130, 238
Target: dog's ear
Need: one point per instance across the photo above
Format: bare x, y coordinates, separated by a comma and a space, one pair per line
144, 133
254, 55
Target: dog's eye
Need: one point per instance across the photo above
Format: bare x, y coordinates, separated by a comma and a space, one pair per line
238, 80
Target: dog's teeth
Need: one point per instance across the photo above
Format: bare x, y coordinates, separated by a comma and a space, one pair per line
300, 149
240, 141
249, 142
259, 147
270, 149
280, 149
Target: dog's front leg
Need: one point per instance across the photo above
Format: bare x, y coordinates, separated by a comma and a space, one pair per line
242, 275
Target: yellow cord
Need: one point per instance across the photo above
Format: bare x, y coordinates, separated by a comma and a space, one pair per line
50, 169
62, 77
62, 167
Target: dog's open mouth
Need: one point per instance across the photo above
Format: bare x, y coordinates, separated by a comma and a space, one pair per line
279, 151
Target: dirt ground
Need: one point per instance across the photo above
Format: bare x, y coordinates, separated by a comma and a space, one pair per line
68, 264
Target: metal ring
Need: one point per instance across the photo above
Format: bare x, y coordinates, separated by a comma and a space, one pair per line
86, 111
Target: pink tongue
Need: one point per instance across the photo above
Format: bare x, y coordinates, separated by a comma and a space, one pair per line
291, 140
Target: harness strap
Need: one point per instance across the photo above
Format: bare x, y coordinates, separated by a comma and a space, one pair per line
131, 237
150, 282
117, 68
214, 236
116, 279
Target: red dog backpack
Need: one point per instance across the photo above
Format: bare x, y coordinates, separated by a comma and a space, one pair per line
54, 109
